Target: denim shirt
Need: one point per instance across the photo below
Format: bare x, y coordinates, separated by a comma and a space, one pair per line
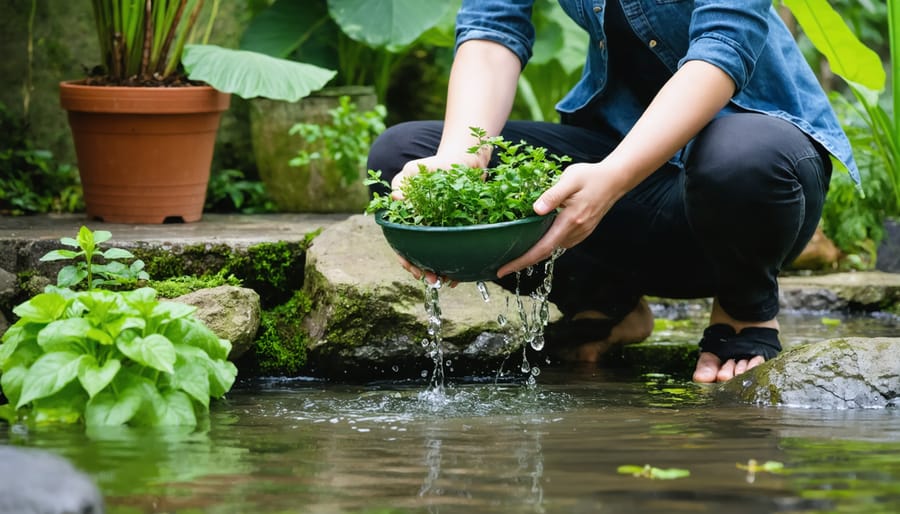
744, 38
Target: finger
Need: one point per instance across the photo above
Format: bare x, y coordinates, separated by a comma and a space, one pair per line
555, 196
414, 271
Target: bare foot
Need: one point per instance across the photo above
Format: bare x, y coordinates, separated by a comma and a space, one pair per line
634, 328
710, 368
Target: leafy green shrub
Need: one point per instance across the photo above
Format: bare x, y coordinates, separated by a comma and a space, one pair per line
109, 357
31, 180
464, 195
229, 191
345, 141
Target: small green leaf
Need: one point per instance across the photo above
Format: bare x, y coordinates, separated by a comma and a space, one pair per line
50, 373
93, 377
101, 236
58, 255
70, 276
830, 322
117, 253
68, 241
155, 351
654, 473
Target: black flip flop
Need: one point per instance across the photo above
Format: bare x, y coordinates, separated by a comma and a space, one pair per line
721, 339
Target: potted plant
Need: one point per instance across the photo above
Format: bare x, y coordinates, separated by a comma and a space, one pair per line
144, 127
464, 223
363, 41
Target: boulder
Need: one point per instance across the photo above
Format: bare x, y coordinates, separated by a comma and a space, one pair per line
38, 482
368, 315
231, 312
846, 373
863, 290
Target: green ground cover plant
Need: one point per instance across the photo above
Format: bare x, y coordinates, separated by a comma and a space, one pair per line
102, 357
463, 195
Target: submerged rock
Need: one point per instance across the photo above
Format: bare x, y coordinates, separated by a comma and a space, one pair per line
368, 317
844, 373
863, 290
38, 482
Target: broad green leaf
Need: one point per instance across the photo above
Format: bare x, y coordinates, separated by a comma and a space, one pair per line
43, 308
100, 336
66, 406
100, 236
192, 378
93, 377
251, 75
194, 333
58, 255
178, 409
108, 408
388, 23
285, 25
173, 310
22, 353
155, 351
221, 377
63, 332
50, 373
11, 382
847, 55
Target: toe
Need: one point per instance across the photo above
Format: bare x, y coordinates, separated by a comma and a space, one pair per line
755, 361
726, 372
741, 366
707, 367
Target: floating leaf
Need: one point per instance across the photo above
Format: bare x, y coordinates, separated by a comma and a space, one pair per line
651, 472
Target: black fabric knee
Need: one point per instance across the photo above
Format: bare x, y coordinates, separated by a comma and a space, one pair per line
754, 190
400, 144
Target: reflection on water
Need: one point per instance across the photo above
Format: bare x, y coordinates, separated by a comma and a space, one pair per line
304, 446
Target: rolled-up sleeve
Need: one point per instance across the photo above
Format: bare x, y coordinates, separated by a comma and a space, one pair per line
505, 22
730, 35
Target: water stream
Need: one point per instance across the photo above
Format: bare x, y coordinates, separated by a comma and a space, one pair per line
302, 445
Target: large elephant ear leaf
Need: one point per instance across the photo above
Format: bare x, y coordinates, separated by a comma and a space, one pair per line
389, 23
251, 75
847, 55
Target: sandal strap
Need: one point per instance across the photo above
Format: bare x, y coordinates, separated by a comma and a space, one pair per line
721, 340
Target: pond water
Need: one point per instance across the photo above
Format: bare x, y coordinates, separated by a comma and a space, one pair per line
307, 446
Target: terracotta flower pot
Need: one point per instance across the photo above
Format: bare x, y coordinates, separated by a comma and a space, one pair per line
144, 153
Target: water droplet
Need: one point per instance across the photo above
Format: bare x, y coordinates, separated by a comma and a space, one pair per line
535, 371
396, 368
538, 342
424, 373
525, 367
482, 288
501, 319
447, 362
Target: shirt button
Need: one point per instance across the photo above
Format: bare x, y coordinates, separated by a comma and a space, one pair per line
597, 8
652, 43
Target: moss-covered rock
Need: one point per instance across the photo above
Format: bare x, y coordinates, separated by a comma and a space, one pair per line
281, 345
835, 374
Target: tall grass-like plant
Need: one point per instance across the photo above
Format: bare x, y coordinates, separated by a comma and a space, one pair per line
146, 42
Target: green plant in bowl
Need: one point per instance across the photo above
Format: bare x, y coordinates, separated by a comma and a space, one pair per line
464, 223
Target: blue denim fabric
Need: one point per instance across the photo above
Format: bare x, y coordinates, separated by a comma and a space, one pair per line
745, 38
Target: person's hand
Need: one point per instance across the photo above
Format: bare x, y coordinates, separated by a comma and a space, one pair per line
585, 192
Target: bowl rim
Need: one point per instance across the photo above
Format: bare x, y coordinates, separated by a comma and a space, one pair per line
379, 219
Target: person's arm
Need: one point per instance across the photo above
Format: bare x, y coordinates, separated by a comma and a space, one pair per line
480, 94
688, 101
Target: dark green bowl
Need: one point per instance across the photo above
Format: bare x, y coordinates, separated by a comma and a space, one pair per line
465, 254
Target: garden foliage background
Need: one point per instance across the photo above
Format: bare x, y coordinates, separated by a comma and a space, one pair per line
47, 41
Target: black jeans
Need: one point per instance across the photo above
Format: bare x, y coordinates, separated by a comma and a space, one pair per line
746, 203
